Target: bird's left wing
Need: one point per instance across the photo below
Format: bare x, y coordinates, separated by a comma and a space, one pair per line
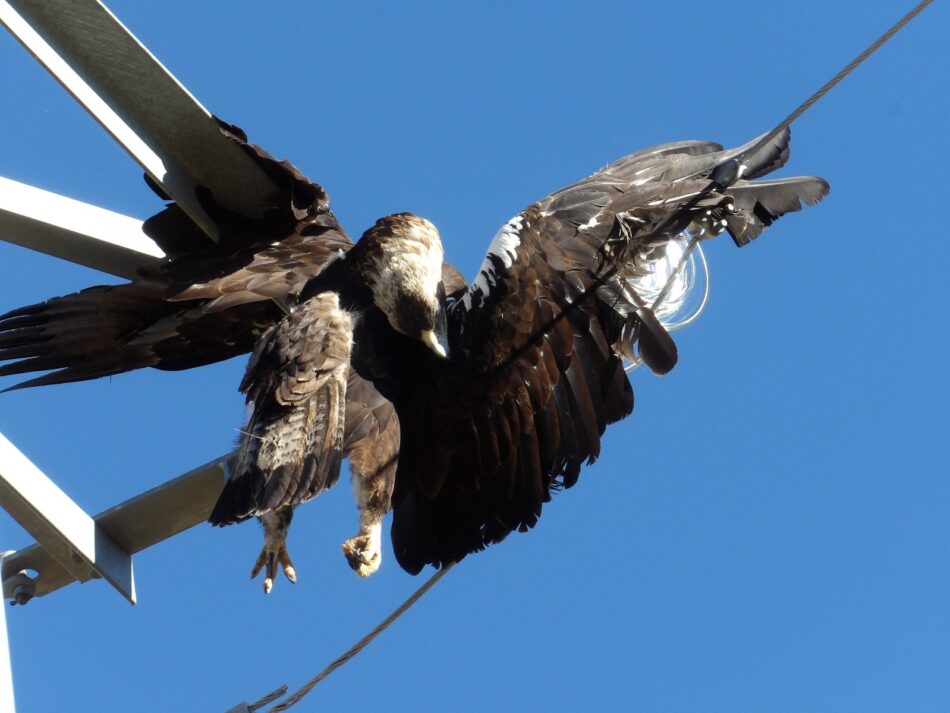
292, 445
537, 344
205, 303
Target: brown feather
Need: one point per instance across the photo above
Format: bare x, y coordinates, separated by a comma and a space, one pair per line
296, 384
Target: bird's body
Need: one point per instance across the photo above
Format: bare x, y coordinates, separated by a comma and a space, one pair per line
461, 407
297, 385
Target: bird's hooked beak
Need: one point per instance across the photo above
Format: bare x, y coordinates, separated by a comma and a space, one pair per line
437, 338
436, 343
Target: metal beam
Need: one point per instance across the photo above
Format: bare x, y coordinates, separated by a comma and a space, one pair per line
154, 118
66, 532
74, 231
132, 526
145, 109
6, 671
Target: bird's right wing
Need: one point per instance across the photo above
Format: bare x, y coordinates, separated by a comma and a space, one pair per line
292, 445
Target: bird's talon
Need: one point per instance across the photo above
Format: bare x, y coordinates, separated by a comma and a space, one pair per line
274, 553
362, 554
258, 565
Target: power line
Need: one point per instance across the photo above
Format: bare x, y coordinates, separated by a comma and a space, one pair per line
364, 642
850, 67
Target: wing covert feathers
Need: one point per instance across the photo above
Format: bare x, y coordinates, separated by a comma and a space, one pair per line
292, 445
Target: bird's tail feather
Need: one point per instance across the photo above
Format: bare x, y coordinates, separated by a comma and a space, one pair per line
81, 336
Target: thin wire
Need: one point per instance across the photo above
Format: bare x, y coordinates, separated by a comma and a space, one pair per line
269, 698
664, 293
851, 66
364, 642
434, 579
704, 268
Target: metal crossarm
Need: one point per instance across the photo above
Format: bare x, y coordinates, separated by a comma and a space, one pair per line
75, 541
74, 231
145, 109
178, 143
7, 702
71, 546
158, 122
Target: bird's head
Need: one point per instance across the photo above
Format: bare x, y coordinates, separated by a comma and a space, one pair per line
403, 269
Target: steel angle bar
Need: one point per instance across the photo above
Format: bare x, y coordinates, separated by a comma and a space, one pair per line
74, 231
140, 103
136, 524
6, 671
74, 540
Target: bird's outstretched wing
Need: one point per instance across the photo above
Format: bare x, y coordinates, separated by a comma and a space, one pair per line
292, 444
206, 302
536, 369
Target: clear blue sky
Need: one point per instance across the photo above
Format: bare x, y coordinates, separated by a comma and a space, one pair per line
768, 531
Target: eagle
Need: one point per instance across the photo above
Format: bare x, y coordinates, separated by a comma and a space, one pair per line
460, 407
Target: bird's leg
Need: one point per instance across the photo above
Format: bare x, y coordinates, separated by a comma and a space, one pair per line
373, 461
274, 552
364, 551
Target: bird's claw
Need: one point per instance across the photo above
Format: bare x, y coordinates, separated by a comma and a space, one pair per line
270, 557
363, 554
